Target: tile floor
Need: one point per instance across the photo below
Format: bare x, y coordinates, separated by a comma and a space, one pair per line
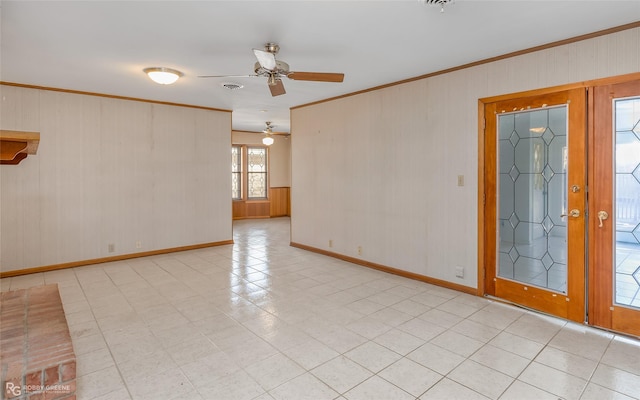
262, 320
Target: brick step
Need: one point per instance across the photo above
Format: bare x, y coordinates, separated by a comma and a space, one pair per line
37, 355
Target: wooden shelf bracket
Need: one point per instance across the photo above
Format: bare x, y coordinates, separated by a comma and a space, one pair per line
15, 146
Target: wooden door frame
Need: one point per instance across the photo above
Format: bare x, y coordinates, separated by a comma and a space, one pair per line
483, 213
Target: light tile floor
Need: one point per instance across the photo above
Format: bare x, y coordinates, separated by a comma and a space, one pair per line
262, 320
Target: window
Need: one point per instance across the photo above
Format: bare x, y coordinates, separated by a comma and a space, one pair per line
248, 170
236, 172
257, 172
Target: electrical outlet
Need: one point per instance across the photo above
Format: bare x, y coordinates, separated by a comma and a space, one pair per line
138, 244
112, 247
330, 243
460, 180
359, 250
459, 272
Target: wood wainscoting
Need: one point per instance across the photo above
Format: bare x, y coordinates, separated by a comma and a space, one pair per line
277, 205
280, 201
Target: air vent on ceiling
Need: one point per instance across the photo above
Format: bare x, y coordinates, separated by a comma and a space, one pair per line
437, 2
232, 86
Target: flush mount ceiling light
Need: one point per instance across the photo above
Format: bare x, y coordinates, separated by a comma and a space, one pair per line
163, 76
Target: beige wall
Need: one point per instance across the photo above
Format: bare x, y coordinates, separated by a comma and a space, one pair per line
379, 170
279, 156
111, 171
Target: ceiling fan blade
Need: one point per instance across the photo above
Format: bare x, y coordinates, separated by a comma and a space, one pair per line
277, 89
267, 60
316, 76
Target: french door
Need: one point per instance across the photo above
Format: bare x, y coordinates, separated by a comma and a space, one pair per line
614, 226
535, 201
560, 218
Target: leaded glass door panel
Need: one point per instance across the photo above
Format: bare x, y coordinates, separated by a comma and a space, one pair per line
535, 201
532, 224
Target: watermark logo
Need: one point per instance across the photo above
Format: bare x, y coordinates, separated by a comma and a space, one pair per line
11, 389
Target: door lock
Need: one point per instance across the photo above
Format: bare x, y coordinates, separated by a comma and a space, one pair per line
575, 213
602, 215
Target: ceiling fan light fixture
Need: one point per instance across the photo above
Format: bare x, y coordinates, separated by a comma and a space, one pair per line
267, 140
162, 75
275, 70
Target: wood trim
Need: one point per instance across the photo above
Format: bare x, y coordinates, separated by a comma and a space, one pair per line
577, 175
101, 260
484, 61
488, 198
598, 313
261, 133
390, 270
482, 271
562, 88
110, 96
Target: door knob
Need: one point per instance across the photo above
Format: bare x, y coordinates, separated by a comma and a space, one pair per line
602, 215
575, 213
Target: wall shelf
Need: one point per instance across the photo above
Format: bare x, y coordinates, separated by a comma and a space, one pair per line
15, 146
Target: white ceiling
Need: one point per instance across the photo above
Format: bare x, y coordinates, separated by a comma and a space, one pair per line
102, 46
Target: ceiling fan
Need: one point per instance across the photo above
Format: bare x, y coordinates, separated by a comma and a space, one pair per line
268, 134
267, 66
